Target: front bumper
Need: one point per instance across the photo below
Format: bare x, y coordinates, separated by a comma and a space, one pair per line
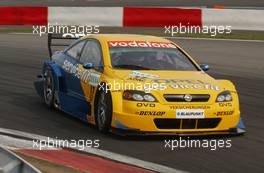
135, 132
131, 122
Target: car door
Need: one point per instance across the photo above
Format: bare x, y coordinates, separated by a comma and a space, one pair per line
91, 54
74, 98
71, 63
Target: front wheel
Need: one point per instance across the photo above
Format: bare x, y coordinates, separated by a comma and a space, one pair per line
104, 112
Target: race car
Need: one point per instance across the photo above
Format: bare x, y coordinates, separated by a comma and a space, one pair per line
138, 85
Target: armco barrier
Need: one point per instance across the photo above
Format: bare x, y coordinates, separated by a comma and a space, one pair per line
239, 19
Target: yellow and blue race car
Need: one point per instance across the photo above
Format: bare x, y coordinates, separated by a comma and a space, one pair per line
136, 84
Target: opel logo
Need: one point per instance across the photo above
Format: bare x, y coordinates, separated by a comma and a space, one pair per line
187, 97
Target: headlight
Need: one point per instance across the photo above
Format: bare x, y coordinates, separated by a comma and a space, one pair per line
135, 95
149, 98
224, 96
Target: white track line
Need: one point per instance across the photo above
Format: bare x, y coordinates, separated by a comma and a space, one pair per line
102, 153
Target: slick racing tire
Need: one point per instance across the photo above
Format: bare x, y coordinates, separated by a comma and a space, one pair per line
49, 89
104, 112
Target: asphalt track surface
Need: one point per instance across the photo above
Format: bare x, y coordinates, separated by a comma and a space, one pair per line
183, 3
21, 57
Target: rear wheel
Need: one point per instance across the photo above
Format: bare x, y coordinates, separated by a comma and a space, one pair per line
104, 112
49, 89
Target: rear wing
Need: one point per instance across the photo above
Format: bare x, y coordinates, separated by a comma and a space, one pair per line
62, 40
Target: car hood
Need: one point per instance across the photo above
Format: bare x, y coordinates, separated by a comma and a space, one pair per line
170, 81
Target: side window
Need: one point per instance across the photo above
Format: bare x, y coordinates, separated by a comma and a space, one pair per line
76, 50
91, 53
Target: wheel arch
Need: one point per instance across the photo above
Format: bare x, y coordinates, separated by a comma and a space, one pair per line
56, 72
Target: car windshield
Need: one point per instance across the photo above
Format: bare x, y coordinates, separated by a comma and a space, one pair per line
137, 58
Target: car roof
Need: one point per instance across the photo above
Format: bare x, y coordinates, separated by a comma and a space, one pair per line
126, 37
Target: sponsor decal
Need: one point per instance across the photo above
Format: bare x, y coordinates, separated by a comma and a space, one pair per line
190, 113
179, 81
187, 84
143, 75
206, 87
151, 105
225, 104
190, 107
85, 76
136, 78
223, 113
151, 113
140, 44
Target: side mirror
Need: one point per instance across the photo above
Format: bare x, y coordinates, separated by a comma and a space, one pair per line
88, 65
204, 67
